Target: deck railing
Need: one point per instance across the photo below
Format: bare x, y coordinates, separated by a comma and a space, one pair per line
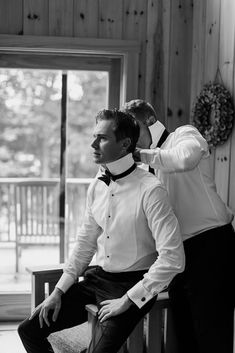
30, 207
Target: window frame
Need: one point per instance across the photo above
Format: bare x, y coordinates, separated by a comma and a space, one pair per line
119, 57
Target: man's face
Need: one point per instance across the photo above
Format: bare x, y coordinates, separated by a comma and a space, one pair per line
145, 139
105, 147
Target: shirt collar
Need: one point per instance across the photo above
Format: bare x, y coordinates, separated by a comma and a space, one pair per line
156, 130
121, 165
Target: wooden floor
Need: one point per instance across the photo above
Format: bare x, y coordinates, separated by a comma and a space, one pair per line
9, 339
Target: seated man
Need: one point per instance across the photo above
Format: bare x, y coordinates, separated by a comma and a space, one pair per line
130, 224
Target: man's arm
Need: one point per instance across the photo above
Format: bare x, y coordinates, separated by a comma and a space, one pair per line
166, 233
84, 249
186, 152
79, 260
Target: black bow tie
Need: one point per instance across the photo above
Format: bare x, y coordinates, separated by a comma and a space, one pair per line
107, 176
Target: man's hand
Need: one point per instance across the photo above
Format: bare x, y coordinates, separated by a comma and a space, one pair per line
53, 302
114, 307
136, 155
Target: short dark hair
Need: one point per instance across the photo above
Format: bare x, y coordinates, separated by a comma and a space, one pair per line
125, 125
140, 109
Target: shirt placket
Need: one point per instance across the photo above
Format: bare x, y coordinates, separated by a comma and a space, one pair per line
108, 237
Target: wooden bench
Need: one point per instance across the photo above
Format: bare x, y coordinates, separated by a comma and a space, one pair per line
153, 334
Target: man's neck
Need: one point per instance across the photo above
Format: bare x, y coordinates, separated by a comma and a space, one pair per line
120, 165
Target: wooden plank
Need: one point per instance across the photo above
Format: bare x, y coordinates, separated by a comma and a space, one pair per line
11, 16
226, 66
198, 49
157, 56
129, 82
180, 63
134, 27
110, 18
51, 44
36, 17
231, 187
212, 49
114, 84
212, 40
154, 330
61, 18
85, 18
14, 306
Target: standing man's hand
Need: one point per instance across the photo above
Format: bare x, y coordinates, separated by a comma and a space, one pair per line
136, 155
114, 307
53, 302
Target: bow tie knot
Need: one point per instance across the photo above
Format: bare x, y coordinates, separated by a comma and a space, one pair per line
107, 176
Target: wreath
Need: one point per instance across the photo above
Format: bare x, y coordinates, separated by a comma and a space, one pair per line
213, 114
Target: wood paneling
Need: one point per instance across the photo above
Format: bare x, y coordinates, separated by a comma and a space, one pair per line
15, 306
213, 61
180, 63
11, 17
156, 64
36, 17
85, 18
134, 27
110, 19
226, 67
61, 18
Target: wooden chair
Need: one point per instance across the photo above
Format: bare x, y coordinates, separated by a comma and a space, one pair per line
153, 334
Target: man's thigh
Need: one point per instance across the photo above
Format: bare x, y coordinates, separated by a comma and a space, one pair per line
110, 335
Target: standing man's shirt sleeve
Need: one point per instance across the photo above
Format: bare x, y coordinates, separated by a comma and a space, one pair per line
84, 250
189, 147
166, 233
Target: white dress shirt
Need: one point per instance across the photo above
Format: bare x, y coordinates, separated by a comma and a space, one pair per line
127, 223
182, 164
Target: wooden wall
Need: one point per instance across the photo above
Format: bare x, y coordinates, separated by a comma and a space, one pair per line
213, 59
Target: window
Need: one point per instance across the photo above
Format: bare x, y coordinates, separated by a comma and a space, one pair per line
48, 122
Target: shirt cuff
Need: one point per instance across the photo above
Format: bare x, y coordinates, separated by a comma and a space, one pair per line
139, 295
65, 282
150, 156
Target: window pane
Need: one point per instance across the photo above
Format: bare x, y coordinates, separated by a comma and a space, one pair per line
30, 103
87, 95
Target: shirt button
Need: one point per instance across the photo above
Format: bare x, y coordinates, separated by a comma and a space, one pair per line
112, 194
109, 216
143, 299
107, 237
107, 255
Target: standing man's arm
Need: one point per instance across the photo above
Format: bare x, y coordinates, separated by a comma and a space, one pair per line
186, 152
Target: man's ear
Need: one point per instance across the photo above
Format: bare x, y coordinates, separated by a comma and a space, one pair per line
150, 120
126, 143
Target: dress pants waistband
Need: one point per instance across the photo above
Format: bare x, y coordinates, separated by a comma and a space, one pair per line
116, 276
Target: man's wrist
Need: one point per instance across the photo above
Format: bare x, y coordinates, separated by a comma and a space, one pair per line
58, 291
130, 302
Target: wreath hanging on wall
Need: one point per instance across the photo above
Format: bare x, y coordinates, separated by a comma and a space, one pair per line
213, 114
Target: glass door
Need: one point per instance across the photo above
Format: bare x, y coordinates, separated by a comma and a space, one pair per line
48, 106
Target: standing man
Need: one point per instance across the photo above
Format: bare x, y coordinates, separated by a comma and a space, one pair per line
130, 224
203, 296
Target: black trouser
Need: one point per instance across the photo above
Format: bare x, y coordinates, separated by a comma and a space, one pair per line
202, 297
97, 286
